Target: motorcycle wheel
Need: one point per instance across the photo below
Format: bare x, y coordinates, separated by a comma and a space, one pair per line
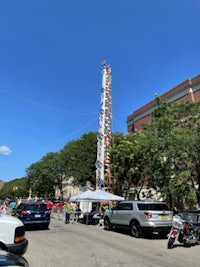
170, 242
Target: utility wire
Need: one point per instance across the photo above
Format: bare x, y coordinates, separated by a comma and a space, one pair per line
122, 127
52, 144
55, 109
45, 106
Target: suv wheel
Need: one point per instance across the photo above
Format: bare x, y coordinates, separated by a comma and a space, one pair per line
107, 224
136, 230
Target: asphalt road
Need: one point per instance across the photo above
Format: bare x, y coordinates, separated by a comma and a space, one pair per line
79, 245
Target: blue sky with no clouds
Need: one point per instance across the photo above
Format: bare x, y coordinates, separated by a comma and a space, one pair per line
50, 67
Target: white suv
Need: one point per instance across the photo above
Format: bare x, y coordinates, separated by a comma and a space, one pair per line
140, 217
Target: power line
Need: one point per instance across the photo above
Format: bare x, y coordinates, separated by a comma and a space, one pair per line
46, 106
52, 144
122, 127
55, 109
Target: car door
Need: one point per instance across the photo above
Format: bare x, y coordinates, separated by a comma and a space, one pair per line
121, 213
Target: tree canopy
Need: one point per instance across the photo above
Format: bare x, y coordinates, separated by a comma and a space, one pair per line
164, 156
14, 189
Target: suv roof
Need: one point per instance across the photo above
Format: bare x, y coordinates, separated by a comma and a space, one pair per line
148, 205
143, 201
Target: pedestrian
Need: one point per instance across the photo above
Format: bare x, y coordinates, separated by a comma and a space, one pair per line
49, 204
73, 213
78, 211
107, 207
12, 206
4, 209
67, 212
73, 206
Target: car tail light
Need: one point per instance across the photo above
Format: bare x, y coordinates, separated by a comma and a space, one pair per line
19, 234
26, 212
148, 214
48, 211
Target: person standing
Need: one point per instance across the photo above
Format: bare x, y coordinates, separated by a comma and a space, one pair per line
49, 204
12, 206
67, 212
4, 210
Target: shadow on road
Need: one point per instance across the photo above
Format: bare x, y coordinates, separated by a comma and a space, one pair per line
144, 236
35, 228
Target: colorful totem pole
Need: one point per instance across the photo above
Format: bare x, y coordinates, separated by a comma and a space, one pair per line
103, 169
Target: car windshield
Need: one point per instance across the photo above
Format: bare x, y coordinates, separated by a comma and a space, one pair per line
153, 206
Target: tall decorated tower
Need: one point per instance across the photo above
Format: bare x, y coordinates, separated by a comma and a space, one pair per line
103, 168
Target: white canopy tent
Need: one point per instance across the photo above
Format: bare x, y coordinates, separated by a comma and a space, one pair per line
77, 198
95, 196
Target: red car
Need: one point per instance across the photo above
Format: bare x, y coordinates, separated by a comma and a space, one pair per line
58, 206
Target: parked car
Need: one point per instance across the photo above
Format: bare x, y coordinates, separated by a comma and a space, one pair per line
9, 259
12, 235
140, 217
58, 206
33, 214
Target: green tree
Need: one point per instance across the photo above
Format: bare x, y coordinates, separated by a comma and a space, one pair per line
126, 166
170, 141
15, 188
44, 174
197, 161
79, 157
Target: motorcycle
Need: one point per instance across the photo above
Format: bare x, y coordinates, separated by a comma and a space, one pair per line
185, 232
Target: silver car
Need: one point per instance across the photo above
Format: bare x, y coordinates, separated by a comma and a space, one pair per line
140, 217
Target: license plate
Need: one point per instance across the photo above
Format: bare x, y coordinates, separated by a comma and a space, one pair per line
164, 217
37, 215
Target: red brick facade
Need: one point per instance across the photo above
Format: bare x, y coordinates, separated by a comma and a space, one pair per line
189, 89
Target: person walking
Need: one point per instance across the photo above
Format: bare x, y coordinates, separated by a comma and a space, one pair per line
49, 204
67, 212
12, 206
4, 209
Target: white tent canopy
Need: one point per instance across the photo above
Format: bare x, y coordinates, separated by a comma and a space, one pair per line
96, 196
81, 195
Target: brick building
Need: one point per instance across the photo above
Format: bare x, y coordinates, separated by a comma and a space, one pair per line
189, 89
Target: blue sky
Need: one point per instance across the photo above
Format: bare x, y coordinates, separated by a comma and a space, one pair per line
50, 67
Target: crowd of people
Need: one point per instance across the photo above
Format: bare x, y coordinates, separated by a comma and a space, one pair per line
71, 210
7, 206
